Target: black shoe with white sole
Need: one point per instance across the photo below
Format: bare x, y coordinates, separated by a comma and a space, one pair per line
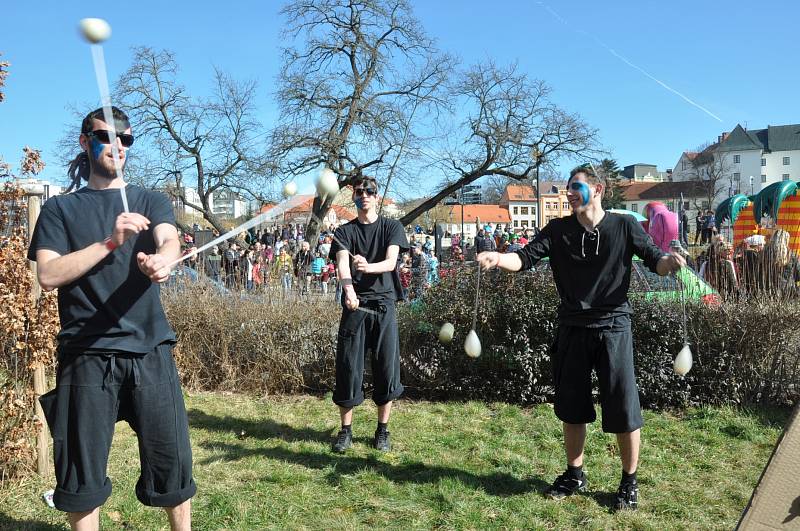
566, 485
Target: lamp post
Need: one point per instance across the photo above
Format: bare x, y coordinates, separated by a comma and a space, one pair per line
538, 157
463, 236
751, 185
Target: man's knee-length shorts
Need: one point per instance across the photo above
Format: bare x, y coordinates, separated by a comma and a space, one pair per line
94, 391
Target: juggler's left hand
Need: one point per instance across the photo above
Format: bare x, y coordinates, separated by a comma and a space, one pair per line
154, 266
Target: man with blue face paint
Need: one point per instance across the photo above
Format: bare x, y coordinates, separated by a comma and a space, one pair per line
115, 344
590, 255
366, 250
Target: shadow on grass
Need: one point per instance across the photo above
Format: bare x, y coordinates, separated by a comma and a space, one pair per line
7, 522
260, 429
496, 484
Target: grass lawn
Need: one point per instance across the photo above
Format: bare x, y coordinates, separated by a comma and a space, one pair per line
453, 466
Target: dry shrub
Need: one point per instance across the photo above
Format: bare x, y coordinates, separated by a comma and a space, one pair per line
252, 343
27, 339
746, 350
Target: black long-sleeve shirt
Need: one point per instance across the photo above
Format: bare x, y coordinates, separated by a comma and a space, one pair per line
592, 270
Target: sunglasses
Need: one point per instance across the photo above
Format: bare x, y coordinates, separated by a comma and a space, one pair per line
104, 137
365, 191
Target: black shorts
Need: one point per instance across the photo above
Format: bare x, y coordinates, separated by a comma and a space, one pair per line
608, 349
362, 332
93, 392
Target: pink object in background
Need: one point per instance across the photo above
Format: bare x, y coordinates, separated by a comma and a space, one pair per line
661, 224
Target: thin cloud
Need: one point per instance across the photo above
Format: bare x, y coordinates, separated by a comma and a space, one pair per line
629, 63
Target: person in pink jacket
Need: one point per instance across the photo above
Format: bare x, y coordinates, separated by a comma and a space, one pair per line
661, 224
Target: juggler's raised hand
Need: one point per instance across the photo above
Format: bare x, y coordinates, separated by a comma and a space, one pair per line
128, 224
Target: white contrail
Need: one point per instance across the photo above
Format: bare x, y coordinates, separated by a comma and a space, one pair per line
629, 63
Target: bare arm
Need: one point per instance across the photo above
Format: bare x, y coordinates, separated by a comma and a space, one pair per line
55, 270
385, 265
168, 249
346, 279
507, 261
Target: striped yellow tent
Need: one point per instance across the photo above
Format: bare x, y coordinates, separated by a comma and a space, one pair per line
781, 202
737, 210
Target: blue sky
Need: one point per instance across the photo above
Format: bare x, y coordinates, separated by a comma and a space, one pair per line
737, 60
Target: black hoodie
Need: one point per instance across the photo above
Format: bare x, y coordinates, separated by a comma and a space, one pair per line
592, 269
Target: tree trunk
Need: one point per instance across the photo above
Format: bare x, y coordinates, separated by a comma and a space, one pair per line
319, 210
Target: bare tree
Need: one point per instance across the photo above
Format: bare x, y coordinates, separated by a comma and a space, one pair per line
3, 73
206, 144
712, 172
355, 77
509, 129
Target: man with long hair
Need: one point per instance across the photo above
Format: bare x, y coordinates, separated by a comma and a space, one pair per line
590, 255
115, 345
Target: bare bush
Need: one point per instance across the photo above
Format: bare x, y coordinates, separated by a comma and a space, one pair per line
253, 344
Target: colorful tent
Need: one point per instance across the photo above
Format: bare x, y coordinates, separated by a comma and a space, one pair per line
769, 200
737, 210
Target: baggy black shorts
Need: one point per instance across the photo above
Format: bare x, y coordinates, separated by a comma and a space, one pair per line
608, 349
361, 332
94, 391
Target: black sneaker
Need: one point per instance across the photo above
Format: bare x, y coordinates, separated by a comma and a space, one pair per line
344, 440
566, 485
627, 497
381, 441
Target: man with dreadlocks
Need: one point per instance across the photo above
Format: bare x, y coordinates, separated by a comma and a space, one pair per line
115, 344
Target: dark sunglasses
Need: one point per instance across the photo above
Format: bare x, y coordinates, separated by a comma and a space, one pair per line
103, 136
365, 191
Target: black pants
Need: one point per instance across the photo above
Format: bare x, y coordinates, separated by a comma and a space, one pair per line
359, 333
608, 349
93, 392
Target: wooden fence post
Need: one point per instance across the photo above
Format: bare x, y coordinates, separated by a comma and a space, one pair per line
34, 195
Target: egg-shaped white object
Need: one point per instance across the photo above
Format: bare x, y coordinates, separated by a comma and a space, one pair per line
95, 30
327, 183
289, 189
472, 345
446, 333
683, 361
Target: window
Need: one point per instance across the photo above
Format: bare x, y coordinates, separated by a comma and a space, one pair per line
786, 161
785, 176
686, 205
516, 210
516, 223
763, 178
704, 205
737, 159
634, 207
565, 205
524, 222
523, 211
763, 162
737, 176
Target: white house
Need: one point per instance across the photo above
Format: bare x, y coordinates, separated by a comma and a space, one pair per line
520, 201
749, 160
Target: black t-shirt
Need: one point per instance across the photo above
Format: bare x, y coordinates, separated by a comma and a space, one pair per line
371, 240
592, 270
114, 306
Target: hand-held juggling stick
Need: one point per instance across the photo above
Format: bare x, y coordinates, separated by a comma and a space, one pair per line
96, 30
472, 345
231, 233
